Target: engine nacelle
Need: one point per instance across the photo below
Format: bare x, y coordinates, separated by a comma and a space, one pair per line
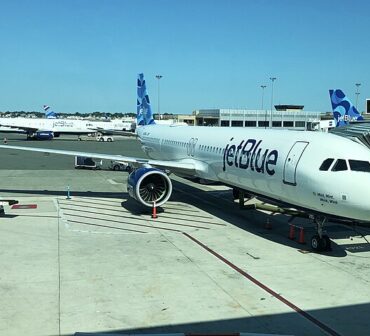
41, 135
149, 185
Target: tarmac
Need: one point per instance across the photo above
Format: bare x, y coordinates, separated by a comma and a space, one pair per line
98, 263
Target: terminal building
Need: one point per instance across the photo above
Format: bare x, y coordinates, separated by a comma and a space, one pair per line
283, 117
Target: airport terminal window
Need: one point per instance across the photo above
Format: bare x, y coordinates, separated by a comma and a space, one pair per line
237, 123
225, 123
288, 123
276, 124
357, 165
263, 124
300, 124
250, 123
326, 164
340, 165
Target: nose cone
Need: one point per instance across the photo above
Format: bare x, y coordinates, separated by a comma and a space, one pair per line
356, 198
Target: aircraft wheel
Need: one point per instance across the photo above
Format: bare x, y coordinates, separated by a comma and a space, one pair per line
116, 167
320, 244
316, 243
109, 140
327, 243
101, 139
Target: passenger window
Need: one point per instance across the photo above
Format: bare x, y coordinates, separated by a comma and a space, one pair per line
340, 165
357, 165
326, 164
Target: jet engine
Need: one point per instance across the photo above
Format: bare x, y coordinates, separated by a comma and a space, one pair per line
149, 185
40, 135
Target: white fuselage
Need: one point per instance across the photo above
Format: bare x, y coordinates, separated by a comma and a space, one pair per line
278, 164
55, 125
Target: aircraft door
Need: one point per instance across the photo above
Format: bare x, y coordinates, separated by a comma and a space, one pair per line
291, 162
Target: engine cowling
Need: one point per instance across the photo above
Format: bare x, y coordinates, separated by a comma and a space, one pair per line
43, 135
149, 185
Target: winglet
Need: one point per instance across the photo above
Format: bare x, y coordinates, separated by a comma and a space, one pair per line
343, 110
144, 114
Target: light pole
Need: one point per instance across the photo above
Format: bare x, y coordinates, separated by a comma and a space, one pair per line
263, 87
357, 93
159, 111
272, 97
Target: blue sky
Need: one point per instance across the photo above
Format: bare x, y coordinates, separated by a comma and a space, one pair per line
84, 55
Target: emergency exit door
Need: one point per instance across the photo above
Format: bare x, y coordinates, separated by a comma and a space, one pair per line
291, 162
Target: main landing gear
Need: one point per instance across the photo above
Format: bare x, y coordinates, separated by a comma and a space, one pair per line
320, 241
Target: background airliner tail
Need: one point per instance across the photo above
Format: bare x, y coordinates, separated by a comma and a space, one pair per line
49, 113
343, 110
144, 114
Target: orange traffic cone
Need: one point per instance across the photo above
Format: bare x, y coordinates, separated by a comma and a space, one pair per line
268, 225
301, 236
292, 232
154, 212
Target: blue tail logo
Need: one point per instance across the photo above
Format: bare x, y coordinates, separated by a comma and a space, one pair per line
49, 114
144, 113
343, 110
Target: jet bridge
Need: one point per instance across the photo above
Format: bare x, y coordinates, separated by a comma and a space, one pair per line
358, 132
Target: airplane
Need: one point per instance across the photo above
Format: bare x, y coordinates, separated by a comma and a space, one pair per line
47, 128
343, 110
115, 127
325, 175
50, 127
13, 129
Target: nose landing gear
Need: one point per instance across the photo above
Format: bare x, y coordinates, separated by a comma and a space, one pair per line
320, 241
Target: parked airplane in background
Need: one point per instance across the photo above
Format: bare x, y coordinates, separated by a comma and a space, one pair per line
115, 127
47, 128
325, 175
50, 127
343, 110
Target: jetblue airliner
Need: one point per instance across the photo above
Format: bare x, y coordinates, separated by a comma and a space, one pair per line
50, 127
323, 174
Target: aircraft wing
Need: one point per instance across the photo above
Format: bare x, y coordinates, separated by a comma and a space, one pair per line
24, 128
112, 131
176, 166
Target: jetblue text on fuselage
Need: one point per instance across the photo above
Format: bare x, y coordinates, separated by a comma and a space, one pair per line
249, 154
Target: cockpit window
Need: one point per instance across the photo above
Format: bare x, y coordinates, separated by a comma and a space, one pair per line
357, 165
326, 164
340, 165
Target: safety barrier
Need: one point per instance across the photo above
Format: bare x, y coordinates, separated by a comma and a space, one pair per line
154, 211
268, 225
291, 234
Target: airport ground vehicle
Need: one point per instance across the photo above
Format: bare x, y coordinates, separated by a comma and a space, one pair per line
119, 165
106, 138
85, 162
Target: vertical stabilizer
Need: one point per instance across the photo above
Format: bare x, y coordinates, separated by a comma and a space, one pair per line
144, 113
49, 113
343, 110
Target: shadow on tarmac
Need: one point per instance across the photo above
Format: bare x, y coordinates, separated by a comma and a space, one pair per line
224, 208
348, 320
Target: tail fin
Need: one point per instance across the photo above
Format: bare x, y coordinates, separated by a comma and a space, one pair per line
343, 110
144, 113
49, 114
